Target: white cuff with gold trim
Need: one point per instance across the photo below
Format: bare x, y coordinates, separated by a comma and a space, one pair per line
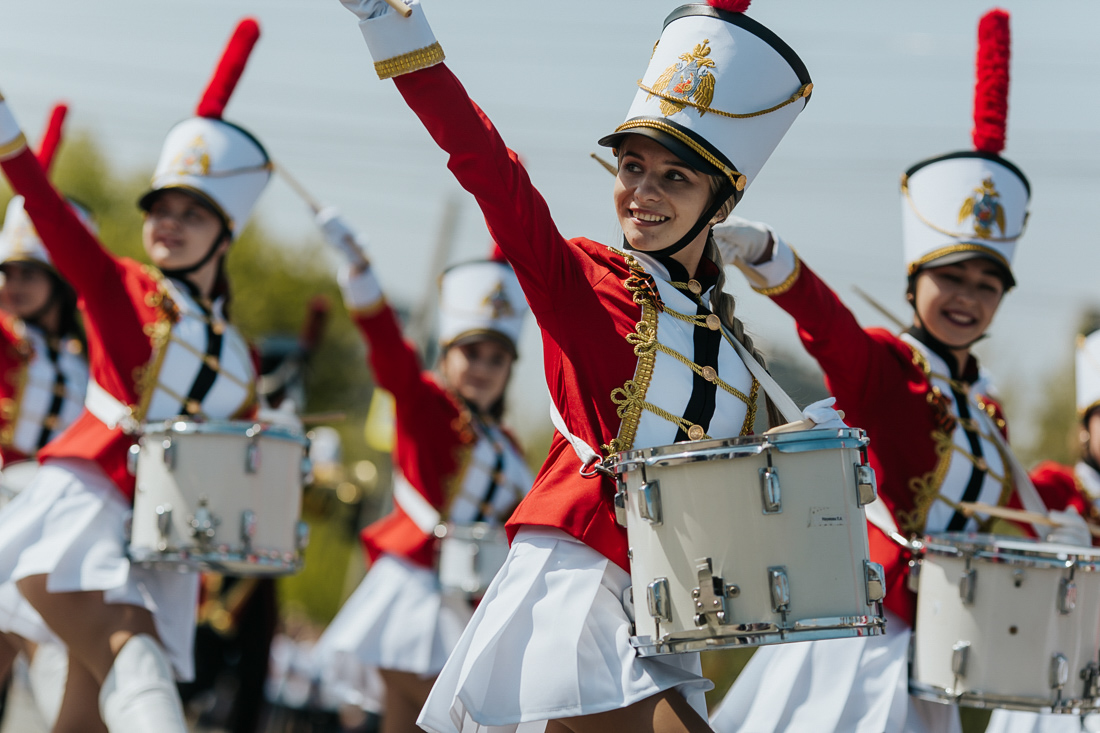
401, 45
779, 269
11, 137
361, 289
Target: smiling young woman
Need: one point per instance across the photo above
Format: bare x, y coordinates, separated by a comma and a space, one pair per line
933, 425
159, 346
640, 348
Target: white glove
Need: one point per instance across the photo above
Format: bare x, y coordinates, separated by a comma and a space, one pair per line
1072, 529
741, 239
823, 414
341, 236
360, 287
367, 9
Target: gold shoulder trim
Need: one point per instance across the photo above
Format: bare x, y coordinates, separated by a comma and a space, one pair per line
409, 62
11, 148
786, 284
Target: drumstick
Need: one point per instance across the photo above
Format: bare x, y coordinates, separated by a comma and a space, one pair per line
400, 7
750, 272
803, 424
607, 166
298, 188
1017, 515
879, 307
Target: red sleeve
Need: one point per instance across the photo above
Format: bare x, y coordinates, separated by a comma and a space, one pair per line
847, 354
515, 212
1057, 485
76, 253
394, 361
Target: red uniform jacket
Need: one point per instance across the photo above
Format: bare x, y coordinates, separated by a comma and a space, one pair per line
119, 298
1054, 479
13, 362
884, 390
576, 291
433, 436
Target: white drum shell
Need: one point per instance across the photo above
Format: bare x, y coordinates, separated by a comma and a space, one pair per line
248, 477
470, 556
1014, 626
715, 509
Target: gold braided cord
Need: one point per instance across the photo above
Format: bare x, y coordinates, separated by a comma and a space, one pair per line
699, 370
957, 235
409, 62
10, 148
738, 179
926, 488
803, 91
786, 285
961, 247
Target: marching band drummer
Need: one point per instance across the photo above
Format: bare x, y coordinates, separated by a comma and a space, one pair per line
936, 434
159, 346
1083, 478
638, 352
43, 377
454, 462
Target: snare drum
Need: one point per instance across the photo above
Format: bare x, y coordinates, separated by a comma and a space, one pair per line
1007, 623
750, 541
15, 477
220, 495
470, 556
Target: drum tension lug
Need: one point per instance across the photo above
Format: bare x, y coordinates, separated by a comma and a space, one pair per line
164, 526
875, 580
649, 502
1091, 675
960, 653
657, 598
204, 524
866, 484
967, 581
1059, 673
780, 590
620, 502
248, 529
912, 581
169, 453
769, 489
1067, 594
711, 594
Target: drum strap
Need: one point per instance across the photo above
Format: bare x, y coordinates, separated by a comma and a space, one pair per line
782, 401
108, 409
583, 450
413, 503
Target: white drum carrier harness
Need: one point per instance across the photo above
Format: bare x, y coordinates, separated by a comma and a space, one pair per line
490, 485
200, 367
50, 391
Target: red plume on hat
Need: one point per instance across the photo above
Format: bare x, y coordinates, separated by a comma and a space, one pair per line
229, 69
732, 6
991, 89
51, 138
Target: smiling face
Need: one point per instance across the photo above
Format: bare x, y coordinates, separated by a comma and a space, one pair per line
478, 371
27, 289
658, 197
956, 302
179, 231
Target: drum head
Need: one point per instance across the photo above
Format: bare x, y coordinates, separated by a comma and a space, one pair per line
953, 543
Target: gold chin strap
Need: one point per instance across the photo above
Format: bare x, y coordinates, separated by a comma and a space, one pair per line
738, 179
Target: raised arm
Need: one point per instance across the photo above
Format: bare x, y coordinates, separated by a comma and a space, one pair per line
76, 253
850, 357
517, 216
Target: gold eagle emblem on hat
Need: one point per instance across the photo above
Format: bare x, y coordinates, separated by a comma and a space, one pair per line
984, 206
497, 302
194, 159
690, 78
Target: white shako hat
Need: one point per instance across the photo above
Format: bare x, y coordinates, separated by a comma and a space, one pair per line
19, 242
1088, 373
720, 92
481, 299
971, 203
217, 161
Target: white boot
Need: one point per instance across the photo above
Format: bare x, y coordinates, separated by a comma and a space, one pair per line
139, 694
49, 669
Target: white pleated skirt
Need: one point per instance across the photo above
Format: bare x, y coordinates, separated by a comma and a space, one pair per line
551, 639
844, 685
1016, 721
70, 525
398, 618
